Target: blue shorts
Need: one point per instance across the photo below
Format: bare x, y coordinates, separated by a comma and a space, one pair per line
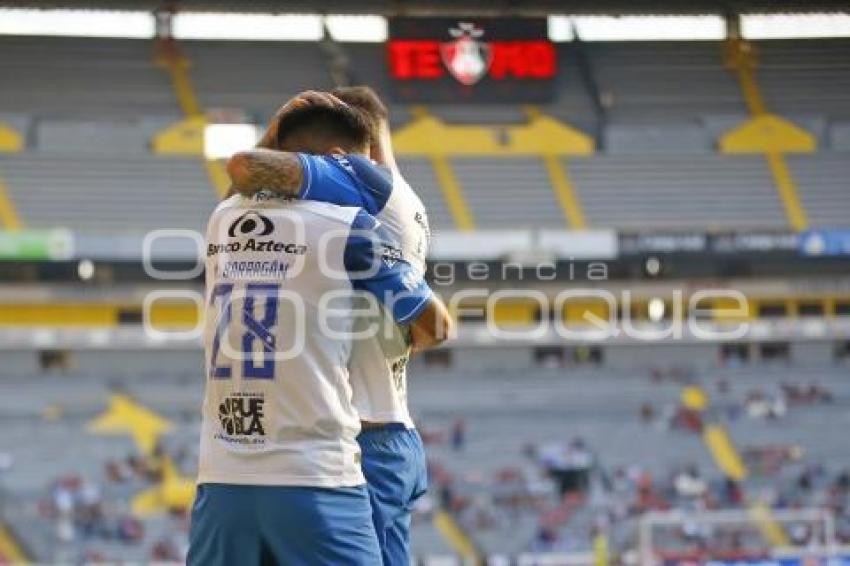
276, 525
395, 469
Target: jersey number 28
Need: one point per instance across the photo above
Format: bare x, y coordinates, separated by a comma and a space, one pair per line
255, 329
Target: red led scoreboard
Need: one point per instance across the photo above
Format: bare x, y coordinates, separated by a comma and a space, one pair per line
471, 59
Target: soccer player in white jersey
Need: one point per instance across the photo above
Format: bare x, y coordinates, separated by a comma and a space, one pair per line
280, 478
393, 455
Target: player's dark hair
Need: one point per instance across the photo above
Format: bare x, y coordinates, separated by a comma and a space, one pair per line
364, 98
313, 128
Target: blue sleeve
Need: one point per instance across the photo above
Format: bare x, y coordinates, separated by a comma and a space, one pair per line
374, 265
346, 180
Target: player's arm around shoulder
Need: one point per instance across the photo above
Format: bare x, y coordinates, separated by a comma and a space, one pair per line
256, 169
374, 266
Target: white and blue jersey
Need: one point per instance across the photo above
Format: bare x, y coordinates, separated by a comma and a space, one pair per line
280, 274
379, 362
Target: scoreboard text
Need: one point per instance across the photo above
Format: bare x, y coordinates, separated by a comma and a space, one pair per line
471, 60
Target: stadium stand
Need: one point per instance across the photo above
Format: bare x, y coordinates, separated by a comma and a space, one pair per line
574, 103
823, 189
255, 76
499, 476
83, 77
420, 175
508, 192
664, 82
663, 138
99, 137
661, 100
92, 199
806, 77
839, 136
671, 192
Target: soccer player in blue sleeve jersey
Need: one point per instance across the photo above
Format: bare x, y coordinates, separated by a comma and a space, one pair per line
280, 480
393, 454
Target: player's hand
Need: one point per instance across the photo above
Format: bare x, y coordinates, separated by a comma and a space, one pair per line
316, 98
306, 98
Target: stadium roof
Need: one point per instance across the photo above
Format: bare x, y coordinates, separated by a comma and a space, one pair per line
478, 7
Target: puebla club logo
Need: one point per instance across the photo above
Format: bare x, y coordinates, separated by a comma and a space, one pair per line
242, 416
466, 57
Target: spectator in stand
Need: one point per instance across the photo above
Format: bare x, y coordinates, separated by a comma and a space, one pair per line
458, 434
687, 419
689, 484
166, 549
647, 413
731, 493
545, 539
130, 530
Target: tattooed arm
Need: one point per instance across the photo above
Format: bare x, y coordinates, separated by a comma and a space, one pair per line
257, 169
